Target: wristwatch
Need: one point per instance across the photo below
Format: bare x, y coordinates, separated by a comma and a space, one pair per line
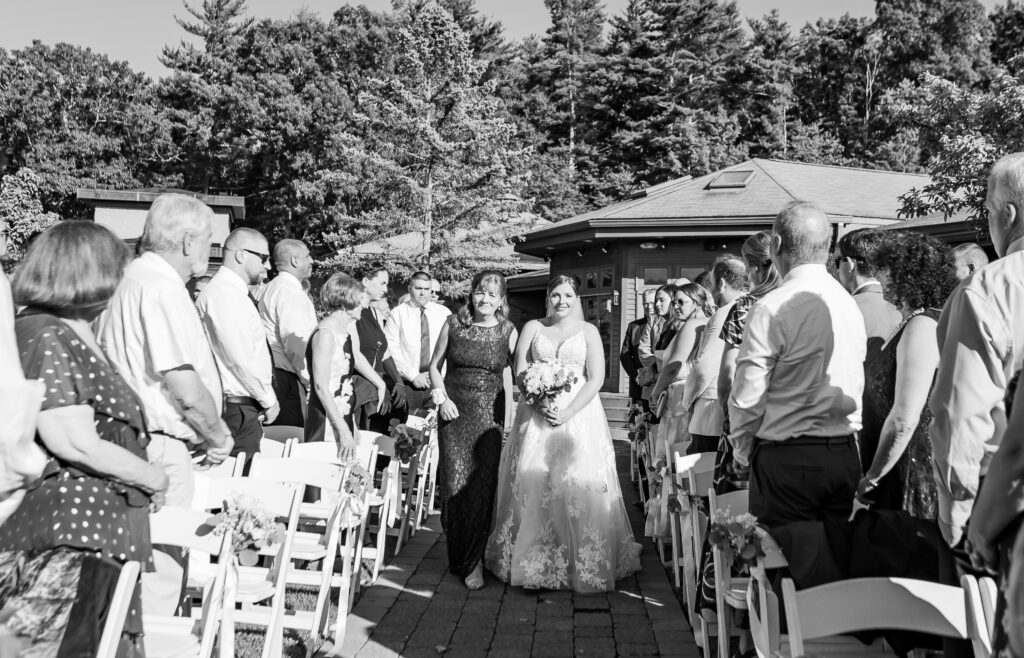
438, 396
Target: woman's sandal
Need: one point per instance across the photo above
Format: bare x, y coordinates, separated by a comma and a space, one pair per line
474, 581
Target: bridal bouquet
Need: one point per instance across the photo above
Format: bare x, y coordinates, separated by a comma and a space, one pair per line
738, 537
543, 380
252, 527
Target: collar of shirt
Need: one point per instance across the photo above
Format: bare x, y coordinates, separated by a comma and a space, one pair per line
156, 263
869, 282
233, 279
1015, 246
805, 271
290, 280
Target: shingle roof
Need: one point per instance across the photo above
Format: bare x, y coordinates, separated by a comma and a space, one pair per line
840, 191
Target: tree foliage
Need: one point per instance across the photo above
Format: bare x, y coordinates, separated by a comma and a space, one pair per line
21, 209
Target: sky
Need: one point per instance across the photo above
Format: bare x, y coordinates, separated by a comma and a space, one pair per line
136, 30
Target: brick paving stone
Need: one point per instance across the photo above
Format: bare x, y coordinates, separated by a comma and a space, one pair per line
508, 653
431, 635
472, 637
592, 619
593, 602
462, 652
518, 641
373, 650
637, 649
592, 631
663, 625
554, 645
634, 634
548, 623
598, 646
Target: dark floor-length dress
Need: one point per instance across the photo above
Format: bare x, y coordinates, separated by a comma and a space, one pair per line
71, 510
470, 445
910, 485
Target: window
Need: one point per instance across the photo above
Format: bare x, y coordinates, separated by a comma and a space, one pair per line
591, 280
732, 180
656, 276
607, 279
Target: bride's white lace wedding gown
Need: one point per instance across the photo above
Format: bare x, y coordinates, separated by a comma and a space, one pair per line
559, 520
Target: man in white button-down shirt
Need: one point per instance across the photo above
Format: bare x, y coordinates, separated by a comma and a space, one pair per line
152, 334
239, 342
289, 320
412, 326
796, 397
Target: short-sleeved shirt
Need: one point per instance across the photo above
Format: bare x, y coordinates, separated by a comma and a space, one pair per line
150, 327
68, 506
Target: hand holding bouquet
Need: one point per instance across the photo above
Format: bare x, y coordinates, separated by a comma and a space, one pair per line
543, 381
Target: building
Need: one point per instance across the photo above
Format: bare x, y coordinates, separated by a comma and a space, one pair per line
124, 213
676, 230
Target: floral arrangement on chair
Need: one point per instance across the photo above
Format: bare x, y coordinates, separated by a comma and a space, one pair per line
544, 380
409, 438
738, 537
252, 527
636, 422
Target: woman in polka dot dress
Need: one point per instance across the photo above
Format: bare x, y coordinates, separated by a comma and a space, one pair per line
96, 493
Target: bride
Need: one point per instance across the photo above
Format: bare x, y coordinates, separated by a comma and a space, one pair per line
559, 519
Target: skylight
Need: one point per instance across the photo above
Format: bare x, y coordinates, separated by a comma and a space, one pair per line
732, 180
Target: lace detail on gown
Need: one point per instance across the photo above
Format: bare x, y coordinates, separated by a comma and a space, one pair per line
560, 522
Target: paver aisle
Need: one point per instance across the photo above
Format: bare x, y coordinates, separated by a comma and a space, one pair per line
417, 608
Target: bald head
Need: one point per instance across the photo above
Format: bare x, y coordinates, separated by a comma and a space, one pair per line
1005, 201
292, 256
245, 238
802, 235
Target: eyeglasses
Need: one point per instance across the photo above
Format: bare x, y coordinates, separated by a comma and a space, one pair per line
263, 257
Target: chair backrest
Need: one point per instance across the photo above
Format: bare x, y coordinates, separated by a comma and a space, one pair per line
316, 451
763, 612
735, 502
282, 433
977, 624
231, 467
862, 604
117, 611
696, 470
275, 497
322, 474
385, 444
272, 448
987, 590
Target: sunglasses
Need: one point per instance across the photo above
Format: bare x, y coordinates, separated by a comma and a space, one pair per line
263, 257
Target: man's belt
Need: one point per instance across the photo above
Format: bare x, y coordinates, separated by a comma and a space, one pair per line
804, 441
241, 399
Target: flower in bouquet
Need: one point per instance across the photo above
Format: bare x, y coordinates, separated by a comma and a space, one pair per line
358, 480
408, 441
545, 380
252, 527
738, 537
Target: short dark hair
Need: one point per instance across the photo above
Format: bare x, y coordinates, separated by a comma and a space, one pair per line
703, 279
864, 246
71, 270
732, 271
370, 270
421, 276
922, 270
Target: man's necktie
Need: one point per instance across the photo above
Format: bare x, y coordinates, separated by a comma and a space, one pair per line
424, 340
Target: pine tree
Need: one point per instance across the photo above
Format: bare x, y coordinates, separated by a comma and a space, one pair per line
440, 155
1008, 35
769, 70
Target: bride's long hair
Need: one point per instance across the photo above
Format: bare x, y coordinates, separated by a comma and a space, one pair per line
577, 311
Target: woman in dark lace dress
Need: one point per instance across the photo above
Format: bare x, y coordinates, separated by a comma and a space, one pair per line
763, 279
475, 346
917, 274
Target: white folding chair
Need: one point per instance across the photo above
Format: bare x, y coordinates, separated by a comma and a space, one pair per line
258, 585
977, 621
698, 473
730, 593
987, 590
863, 604
273, 448
401, 490
231, 467
117, 611
315, 451
177, 637
284, 433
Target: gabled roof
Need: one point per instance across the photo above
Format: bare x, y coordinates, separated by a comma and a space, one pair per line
739, 199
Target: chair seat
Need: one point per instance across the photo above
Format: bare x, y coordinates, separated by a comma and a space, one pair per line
736, 595
253, 585
170, 637
308, 550
839, 645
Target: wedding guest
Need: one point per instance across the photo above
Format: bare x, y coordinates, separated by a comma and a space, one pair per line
857, 266
650, 336
475, 347
288, 320
917, 274
969, 259
152, 335
700, 394
238, 339
94, 496
383, 308
693, 307
435, 290
629, 355
371, 412
333, 355
981, 347
412, 331
703, 279
796, 397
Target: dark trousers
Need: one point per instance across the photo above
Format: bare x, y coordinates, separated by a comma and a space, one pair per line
803, 479
289, 394
702, 443
244, 423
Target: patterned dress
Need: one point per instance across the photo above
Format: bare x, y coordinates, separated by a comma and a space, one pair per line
470, 445
560, 522
69, 508
910, 485
318, 426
